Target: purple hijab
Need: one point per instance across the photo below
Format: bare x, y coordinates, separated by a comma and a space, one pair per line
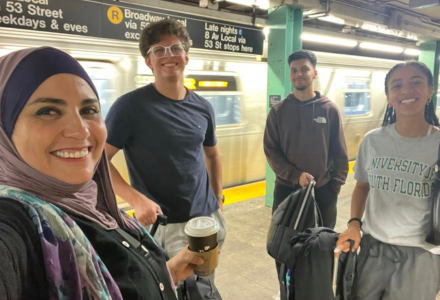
21, 73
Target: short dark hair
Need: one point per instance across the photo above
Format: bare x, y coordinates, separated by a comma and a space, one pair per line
303, 54
390, 114
155, 31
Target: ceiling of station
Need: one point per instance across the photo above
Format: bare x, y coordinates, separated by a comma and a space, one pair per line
432, 12
228, 6
424, 23
391, 17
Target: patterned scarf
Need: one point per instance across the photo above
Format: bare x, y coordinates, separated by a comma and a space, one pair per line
70, 261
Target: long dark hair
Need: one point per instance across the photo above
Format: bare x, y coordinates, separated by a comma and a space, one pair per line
390, 114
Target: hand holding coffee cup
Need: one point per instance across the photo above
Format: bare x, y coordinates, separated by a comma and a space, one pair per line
202, 239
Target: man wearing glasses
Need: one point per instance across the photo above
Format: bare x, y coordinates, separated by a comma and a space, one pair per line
166, 132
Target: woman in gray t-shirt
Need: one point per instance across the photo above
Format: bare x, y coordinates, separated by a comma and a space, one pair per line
394, 170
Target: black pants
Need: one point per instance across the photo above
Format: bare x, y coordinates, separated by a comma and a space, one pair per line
325, 196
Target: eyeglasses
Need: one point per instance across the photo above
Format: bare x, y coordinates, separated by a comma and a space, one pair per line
160, 51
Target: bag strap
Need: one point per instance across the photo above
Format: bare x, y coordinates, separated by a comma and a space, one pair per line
161, 274
437, 167
309, 190
192, 289
433, 236
131, 240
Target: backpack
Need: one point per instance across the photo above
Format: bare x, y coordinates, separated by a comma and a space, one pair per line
197, 288
434, 230
309, 270
295, 214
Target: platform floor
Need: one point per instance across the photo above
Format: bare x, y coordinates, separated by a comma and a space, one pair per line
246, 271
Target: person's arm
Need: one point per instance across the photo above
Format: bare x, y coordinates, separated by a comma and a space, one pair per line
338, 151
121, 127
214, 167
213, 161
274, 154
358, 200
144, 208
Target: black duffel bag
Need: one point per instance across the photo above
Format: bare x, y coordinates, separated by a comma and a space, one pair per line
434, 231
295, 214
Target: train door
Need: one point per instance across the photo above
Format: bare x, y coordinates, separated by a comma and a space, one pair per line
438, 100
245, 146
222, 90
351, 90
357, 111
106, 79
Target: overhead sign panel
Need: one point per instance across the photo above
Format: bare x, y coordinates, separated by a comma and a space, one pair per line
124, 21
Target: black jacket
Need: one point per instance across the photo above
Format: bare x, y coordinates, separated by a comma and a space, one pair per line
22, 272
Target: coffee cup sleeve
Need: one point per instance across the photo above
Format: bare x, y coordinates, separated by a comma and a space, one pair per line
210, 261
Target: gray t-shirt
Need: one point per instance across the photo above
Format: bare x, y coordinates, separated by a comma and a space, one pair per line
400, 172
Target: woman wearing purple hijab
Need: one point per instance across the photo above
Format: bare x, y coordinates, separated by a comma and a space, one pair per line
62, 235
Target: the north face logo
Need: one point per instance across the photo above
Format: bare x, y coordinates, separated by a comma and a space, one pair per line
321, 120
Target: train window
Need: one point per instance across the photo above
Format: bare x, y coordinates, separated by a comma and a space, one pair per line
357, 97
227, 108
221, 90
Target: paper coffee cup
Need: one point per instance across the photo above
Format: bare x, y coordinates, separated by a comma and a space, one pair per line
202, 239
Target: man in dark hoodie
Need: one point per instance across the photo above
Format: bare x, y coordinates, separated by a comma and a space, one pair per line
304, 140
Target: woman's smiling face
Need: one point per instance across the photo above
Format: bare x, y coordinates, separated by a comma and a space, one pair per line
408, 91
60, 131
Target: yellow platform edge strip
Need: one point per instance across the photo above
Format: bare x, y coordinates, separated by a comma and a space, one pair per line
238, 193
130, 212
350, 166
254, 190
244, 192
248, 191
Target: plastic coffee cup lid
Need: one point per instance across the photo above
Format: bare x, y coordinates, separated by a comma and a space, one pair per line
201, 227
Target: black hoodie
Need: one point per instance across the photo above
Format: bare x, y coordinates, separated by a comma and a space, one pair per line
306, 137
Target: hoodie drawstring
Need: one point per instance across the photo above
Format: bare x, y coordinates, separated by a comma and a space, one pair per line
313, 116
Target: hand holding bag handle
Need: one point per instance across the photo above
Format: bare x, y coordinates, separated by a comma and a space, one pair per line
161, 220
434, 233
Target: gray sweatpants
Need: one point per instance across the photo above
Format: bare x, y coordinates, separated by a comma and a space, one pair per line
387, 272
172, 237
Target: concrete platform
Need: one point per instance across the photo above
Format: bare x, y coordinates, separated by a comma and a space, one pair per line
246, 271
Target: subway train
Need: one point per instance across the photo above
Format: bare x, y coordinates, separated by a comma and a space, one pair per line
236, 86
